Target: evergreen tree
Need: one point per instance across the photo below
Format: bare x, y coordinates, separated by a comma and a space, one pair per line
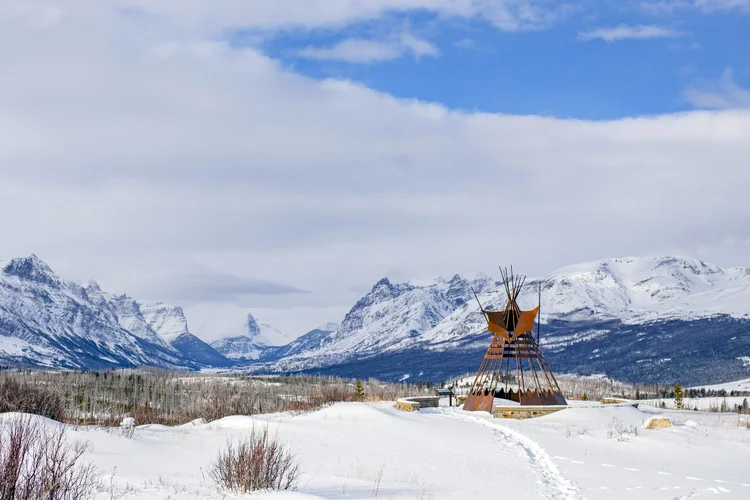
359, 391
745, 406
678, 396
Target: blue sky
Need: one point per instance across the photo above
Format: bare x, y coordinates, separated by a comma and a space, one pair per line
280, 157
549, 70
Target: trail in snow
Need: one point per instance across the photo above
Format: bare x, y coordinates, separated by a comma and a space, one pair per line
556, 487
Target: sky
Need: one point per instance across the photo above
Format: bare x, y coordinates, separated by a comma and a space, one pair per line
279, 158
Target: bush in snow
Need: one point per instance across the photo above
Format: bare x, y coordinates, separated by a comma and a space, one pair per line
621, 432
37, 463
256, 463
23, 397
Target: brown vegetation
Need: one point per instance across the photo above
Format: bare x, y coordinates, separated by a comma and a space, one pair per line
258, 462
173, 398
38, 463
19, 395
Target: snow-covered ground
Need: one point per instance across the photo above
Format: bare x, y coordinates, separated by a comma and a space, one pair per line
738, 385
702, 404
357, 450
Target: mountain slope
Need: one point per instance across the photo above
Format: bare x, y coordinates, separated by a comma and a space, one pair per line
389, 317
644, 319
50, 322
258, 340
170, 324
633, 291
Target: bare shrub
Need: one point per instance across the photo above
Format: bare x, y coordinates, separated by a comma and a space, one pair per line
37, 463
424, 494
258, 462
376, 482
621, 432
23, 397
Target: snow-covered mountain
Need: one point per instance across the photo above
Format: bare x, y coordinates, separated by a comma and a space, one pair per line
630, 290
50, 322
388, 318
637, 318
644, 319
256, 340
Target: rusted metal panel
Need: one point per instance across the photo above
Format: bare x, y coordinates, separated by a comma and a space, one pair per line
479, 402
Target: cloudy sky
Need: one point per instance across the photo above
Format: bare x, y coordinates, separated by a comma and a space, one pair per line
281, 156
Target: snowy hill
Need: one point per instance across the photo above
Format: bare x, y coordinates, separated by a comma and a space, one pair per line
253, 343
650, 319
49, 322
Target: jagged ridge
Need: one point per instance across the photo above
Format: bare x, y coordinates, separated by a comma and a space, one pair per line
50, 322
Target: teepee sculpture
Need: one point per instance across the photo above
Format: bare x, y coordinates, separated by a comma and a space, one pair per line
513, 358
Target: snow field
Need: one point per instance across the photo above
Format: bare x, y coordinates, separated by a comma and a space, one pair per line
358, 451
703, 404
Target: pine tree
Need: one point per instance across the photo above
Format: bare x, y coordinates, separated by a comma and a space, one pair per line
359, 391
745, 406
678, 396
585, 397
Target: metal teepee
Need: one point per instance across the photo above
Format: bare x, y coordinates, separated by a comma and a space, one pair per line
514, 367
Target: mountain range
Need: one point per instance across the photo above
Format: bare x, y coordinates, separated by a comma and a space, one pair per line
658, 319
258, 339
49, 322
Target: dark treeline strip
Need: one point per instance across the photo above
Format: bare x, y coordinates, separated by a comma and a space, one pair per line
173, 397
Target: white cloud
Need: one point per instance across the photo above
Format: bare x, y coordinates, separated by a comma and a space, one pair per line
465, 43
418, 46
724, 94
714, 5
626, 32
707, 6
131, 149
355, 50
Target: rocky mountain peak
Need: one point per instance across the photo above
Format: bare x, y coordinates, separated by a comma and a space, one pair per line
30, 268
253, 328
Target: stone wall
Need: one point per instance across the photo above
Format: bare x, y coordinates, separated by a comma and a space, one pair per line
523, 412
417, 402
